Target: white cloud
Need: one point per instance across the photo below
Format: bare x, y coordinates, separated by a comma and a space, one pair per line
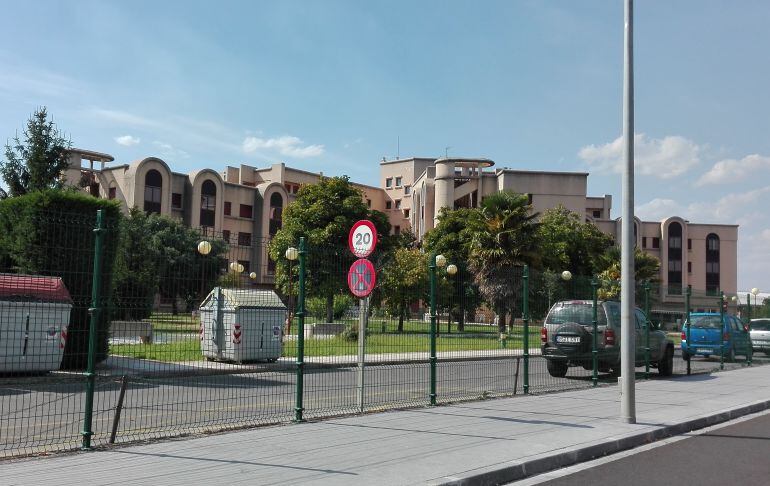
732, 170
736, 208
127, 140
287, 145
169, 151
663, 158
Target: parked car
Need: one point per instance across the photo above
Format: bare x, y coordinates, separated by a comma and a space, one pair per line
710, 330
567, 338
759, 331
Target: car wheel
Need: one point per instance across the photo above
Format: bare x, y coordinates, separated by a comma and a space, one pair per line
557, 369
666, 366
685, 355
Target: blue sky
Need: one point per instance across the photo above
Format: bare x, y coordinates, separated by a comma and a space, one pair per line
333, 85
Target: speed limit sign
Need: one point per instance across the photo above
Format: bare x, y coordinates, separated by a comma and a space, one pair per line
362, 238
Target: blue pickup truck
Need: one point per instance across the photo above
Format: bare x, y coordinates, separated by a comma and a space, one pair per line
710, 330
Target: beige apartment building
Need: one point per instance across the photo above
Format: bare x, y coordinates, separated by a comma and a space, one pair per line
243, 204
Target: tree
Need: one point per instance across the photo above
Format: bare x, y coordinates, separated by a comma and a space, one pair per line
403, 282
568, 243
504, 239
37, 162
323, 213
452, 238
646, 267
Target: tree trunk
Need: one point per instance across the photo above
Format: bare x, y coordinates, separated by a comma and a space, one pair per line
330, 308
401, 320
501, 315
174, 308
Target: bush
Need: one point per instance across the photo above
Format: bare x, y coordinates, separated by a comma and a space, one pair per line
316, 306
350, 333
51, 233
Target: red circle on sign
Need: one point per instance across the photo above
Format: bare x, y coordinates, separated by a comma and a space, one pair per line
362, 278
362, 238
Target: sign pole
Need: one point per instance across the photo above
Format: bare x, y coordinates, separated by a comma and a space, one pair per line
363, 320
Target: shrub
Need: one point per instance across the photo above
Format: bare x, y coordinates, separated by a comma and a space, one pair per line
316, 306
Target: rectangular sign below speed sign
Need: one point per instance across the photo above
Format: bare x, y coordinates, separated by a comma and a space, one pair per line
362, 238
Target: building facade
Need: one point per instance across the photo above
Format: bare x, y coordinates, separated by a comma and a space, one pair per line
244, 204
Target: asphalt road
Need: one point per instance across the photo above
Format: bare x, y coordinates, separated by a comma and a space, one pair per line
735, 454
46, 413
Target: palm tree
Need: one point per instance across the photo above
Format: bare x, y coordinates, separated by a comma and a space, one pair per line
646, 268
504, 238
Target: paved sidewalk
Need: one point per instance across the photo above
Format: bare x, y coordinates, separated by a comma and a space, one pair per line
484, 442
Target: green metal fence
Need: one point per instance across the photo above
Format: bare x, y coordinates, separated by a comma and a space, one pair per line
111, 335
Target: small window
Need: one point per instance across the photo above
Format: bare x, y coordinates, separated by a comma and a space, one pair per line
111, 193
397, 230
388, 204
407, 189
597, 213
398, 181
406, 213
176, 200
228, 208
689, 243
644, 242
389, 182
288, 188
244, 239
529, 199
398, 203
368, 203
294, 189
655, 242
226, 236
246, 211
689, 267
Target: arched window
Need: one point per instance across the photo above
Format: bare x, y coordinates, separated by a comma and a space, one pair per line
208, 203
675, 258
276, 208
712, 264
153, 190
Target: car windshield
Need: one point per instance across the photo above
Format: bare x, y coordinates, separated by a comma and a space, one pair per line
578, 312
706, 322
760, 324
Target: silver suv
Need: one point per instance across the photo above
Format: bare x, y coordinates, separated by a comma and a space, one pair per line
567, 338
759, 330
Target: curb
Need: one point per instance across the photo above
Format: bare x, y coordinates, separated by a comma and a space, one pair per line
517, 471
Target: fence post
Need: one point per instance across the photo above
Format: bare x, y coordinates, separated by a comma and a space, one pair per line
298, 407
721, 330
432, 272
748, 323
525, 315
96, 284
687, 320
595, 326
647, 329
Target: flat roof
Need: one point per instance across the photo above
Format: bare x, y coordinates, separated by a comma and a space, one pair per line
548, 172
91, 155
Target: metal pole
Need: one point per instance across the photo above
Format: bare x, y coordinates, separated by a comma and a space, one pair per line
363, 318
525, 315
432, 271
595, 339
118, 408
647, 329
298, 408
627, 344
721, 330
687, 320
96, 285
748, 323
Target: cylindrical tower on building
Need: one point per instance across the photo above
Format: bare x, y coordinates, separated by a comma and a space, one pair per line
444, 186
452, 175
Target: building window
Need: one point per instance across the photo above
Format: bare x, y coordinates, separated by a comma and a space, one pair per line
398, 181
388, 205
288, 188
208, 203
406, 213
675, 258
228, 208
226, 236
597, 213
244, 239
153, 188
246, 211
397, 230
712, 264
176, 200
111, 193
655, 242
689, 243
276, 212
529, 199
398, 203
407, 189
644, 242
689, 267
368, 203
389, 182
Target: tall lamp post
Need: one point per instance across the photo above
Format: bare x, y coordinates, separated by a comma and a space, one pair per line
291, 255
451, 270
755, 292
435, 261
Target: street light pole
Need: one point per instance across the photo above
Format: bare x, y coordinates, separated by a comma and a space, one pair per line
627, 345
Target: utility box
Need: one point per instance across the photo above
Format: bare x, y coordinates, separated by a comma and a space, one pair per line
241, 325
34, 317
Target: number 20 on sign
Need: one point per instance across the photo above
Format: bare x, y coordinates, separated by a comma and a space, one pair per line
362, 238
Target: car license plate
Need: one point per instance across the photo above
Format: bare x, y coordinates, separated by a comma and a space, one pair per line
567, 339
704, 350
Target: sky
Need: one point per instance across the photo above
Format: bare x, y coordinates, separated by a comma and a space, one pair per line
335, 86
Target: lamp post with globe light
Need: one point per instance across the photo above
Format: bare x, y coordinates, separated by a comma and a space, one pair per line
435, 261
291, 255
